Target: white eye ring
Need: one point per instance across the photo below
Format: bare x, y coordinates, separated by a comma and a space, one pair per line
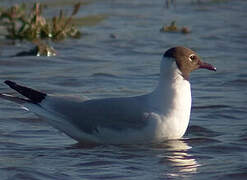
190, 58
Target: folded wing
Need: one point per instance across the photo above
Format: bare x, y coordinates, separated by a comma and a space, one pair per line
92, 115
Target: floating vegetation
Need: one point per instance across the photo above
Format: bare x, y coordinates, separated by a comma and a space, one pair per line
21, 23
30, 26
170, 28
174, 28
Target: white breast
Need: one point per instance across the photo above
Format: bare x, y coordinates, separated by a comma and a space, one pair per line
175, 122
170, 103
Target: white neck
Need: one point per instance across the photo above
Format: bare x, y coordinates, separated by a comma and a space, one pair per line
172, 98
171, 82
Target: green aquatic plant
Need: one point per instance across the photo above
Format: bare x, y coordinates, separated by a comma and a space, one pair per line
29, 26
63, 26
20, 22
32, 26
172, 27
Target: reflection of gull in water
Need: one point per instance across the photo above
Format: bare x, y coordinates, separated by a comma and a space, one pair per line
177, 156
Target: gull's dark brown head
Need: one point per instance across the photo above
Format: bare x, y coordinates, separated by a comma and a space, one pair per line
187, 60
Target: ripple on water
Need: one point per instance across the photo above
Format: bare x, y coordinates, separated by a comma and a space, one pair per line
230, 176
104, 75
31, 173
195, 130
230, 148
236, 83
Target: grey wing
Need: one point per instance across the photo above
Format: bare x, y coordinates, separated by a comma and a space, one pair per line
90, 115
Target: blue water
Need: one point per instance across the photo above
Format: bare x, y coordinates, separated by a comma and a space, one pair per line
120, 57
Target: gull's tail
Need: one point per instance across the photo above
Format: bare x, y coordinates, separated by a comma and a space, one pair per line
54, 110
32, 95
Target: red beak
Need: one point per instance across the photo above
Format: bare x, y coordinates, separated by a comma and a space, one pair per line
204, 65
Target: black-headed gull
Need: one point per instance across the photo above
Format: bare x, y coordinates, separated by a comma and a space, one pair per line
154, 117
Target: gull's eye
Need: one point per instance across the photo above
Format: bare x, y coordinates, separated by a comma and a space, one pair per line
192, 57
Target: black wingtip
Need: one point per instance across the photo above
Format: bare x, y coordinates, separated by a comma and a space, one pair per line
10, 83
33, 95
